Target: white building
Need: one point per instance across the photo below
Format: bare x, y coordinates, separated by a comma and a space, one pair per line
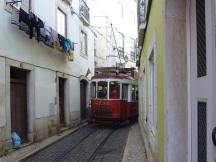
122, 15
41, 91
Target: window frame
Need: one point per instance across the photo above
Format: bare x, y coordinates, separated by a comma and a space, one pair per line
107, 91
122, 92
91, 88
119, 98
152, 91
86, 43
65, 23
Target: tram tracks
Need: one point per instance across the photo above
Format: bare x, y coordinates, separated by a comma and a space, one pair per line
88, 148
91, 158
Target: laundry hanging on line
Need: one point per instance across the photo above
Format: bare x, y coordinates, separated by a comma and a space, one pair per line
35, 27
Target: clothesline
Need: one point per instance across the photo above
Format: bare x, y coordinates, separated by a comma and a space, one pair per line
35, 27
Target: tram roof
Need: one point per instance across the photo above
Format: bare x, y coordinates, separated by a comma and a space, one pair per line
113, 76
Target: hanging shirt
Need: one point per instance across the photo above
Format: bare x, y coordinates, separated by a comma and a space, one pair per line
38, 24
26, 21
70, 56
67, 45
15, 17
61, 40
45, 35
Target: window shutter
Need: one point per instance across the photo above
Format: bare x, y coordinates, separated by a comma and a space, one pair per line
201, 38
202, 157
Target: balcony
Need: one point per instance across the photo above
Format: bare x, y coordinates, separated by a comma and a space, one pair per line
84, 12
141, 20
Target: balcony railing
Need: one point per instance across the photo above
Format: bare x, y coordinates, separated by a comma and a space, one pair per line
84, 12
141, 12
141, 20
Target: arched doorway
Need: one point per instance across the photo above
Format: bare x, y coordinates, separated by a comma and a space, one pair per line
83, 99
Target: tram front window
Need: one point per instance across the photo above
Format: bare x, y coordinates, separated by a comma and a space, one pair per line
102, 90
114, 90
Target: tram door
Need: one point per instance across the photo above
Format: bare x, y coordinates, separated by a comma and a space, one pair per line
124, 99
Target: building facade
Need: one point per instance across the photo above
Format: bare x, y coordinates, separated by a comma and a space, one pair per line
117, 43
43, 88
176, 79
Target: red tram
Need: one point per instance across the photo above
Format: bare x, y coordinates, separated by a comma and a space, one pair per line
113, 98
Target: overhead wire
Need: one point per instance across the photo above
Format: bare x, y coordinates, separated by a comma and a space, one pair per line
114, 46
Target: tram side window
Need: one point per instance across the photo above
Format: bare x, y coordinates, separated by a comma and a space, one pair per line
133, 93
137, 94
114, 90
93, 90
124, 91
102, 90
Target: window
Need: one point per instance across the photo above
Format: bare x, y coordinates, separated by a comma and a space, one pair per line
95, 47
132, 50
102, 90
132, 53
136, 93
93, 90
83, 43
61, 23
152, 91
125, 92
121, 52
133, 93
114, 90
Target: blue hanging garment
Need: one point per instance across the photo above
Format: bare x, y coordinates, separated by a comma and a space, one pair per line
16, 141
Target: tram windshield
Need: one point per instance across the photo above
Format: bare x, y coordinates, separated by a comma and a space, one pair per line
102, 90
114, 90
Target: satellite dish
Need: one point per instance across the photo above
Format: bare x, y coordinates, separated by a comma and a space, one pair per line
126, 58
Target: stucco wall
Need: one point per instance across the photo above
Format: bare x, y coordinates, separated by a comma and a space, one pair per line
175, 81
45, 66
153, 35
45, 93
18, 46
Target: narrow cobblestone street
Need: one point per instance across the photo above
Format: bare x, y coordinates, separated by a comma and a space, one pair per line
90, 143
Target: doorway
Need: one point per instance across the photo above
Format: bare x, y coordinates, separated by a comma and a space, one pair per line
18, 102
83, 95
62, 101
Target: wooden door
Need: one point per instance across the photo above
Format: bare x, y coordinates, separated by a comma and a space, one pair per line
83, 99
61, 101
18, 94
